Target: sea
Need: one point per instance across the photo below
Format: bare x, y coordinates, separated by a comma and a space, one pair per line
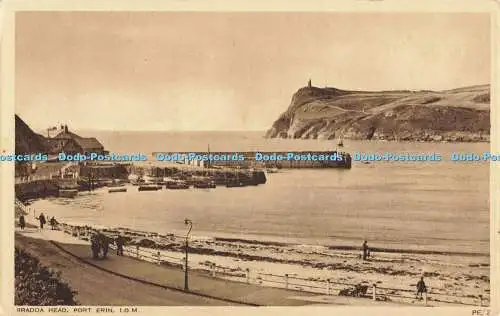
425, 205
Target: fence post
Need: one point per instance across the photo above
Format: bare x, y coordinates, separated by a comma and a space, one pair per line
480, 300
248, 276
137, 252
213, 270
374, 292
159, 257
425, 298
286, 280
327, 286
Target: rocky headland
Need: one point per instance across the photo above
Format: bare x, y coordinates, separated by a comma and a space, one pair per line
458, 115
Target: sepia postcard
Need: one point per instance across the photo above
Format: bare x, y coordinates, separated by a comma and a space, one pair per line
199, 157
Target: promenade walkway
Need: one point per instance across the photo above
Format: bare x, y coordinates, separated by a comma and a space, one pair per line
117, 274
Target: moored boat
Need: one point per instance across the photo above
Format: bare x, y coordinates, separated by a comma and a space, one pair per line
117, 189
70, 193
176, 185
204, 184
149, 188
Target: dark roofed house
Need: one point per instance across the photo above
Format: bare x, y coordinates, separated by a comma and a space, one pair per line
65, 145
90, 145
69, 142
66, 134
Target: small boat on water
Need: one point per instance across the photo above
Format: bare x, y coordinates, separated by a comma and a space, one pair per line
117, 189
176, 185
70, 193
149, 188
272, 170
204, 184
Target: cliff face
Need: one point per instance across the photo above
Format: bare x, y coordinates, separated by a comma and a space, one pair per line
27, 141
452, 115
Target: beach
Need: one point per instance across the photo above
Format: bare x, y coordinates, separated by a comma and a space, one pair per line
304, 228
451, 278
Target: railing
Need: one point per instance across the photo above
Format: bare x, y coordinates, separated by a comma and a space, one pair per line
62, 174
310, 285
70, 166
32, 178
20, 204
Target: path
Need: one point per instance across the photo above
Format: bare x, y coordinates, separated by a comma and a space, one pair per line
86, 275
96, 287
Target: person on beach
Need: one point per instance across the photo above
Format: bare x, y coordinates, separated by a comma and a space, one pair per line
421, 288
42, 220
94, 246
22, 222
119, 245
104, 241
366, 250
53, 222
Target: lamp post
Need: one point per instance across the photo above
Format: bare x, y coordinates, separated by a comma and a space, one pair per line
187, 222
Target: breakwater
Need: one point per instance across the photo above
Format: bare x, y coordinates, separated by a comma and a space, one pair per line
254, 159
104, 170
221, 176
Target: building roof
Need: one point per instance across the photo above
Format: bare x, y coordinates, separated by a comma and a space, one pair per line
84, 142
67, 134
89, 143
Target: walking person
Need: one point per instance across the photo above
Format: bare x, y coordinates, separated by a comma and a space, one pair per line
53, 222
104, 241
22, 222
421, 288
42, 220
119, 245
94, 246
366, 250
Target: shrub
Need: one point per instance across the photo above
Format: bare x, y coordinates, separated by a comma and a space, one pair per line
35, 285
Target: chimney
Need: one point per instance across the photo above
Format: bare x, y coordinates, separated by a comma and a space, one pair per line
66, 128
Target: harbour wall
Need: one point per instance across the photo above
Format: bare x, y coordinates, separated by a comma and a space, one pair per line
249, 159
104, 170
221, 176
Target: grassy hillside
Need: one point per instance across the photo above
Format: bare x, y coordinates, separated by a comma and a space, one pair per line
454, 115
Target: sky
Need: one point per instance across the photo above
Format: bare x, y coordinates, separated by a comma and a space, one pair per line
228, 71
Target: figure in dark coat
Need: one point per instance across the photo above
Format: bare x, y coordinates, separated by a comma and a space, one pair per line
53, 222
421, 288
95, 246
366, 250
119, 245
104, 243
42, 220
22, 222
